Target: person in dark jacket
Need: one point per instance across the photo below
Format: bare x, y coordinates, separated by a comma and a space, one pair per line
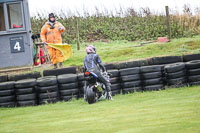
93, 63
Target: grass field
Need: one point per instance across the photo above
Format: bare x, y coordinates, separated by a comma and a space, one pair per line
170, 110
119, 51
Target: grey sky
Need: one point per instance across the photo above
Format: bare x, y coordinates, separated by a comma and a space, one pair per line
47, 6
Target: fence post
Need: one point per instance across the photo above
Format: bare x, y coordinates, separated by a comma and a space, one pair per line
77, 34
168, 22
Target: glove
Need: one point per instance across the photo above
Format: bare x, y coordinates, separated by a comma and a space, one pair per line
60, 28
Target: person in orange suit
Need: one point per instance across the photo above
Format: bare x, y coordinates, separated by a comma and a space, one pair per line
51, 33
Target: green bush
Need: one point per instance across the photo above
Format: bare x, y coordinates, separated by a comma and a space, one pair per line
128, 25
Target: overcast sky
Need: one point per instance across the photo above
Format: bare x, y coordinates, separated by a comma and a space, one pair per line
47, 6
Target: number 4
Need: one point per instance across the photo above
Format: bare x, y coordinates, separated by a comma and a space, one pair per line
17, 46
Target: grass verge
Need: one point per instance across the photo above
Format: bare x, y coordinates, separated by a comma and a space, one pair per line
171, 110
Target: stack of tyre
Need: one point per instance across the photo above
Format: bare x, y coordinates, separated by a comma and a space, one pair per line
47, 89
25, 92
131, 80
81, 84
152, 78
68, 86
16, 77
115, 81
176, 74
193, 72
7, 94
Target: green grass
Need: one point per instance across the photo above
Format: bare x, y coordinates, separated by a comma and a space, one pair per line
171, 110
119, 51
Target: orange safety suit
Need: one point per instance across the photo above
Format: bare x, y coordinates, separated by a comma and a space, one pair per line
53, 36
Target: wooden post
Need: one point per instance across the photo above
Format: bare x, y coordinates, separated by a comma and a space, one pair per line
168, 22
77, 35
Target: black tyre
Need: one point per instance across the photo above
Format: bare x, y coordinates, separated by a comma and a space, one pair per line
47, 89
174, 67
68, 98
193, 64
67, 78
130, 71
27, 103
192, 72
130, 78
25, 83
122, 65
46, 81
194, 83
81, 89
175, 75
131, 84
109, 66
164, 60
153, 81
56, 72
48, 95
194, 78
7, 99
48, 100
131, 64
69, 92
80, 77
81, 83
131, 90
68, 86
116, 86
26, 97
115, 92
114, 72
25, 90
7, 85
177, 81
8, 104
7, 92
115, 80
148, 69
191, 57
17, 77
127, 90
154, 87
91, 96
151, 75
3, 78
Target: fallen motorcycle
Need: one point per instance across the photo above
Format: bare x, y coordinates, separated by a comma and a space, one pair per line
94, 90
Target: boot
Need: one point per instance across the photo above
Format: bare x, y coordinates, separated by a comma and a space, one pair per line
109, 95
55, 66
61, 65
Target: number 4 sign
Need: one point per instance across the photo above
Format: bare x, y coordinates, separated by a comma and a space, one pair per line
17, 44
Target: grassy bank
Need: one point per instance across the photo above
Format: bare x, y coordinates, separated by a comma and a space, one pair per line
119, 51
171, 110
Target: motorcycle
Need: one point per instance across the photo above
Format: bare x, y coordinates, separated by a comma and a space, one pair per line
94, 90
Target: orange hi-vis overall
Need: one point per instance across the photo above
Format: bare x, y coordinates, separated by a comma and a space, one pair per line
53, 36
